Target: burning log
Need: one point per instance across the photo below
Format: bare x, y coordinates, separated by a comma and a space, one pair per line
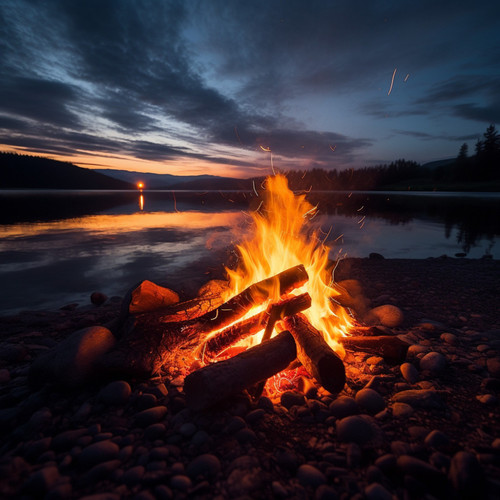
213, 383
391, 348
316, 355
152, 339
245, 328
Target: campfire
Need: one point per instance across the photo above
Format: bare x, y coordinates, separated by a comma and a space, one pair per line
279, 310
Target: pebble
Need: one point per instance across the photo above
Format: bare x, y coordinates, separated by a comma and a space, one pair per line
356, 428
437, 440
98, 298
155, 431
133, 475
343, 406
420, 470
409, 372
150, 416
386, 315
449, 338
402, 410
493, 366
180, 482
420, 398
370, 400
115, 393
487, 399
207, 466
41, 481
466, 475
98, 452
4, 375
325, 492
433, 362
292, 398
376, 491
310, 476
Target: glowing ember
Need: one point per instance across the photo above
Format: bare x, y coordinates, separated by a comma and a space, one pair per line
282, 239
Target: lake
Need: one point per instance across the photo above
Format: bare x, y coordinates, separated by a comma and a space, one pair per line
57, 247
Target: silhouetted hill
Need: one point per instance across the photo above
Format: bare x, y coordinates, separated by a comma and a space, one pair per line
35, 172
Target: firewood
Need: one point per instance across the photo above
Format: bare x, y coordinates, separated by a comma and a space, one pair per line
216, 382
152, 339
391, 348
148, 296
234, 333
318, 358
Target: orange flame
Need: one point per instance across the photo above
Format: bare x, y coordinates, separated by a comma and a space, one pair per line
282, 239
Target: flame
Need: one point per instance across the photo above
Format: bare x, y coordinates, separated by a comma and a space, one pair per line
281, 239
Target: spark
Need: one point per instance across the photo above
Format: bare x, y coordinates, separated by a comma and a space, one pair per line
334, 147
309, 211
254, 190
360, 208
338, 238
267, 150
261, 203
327, 234
406, 77
272, 165
362, 219
361, 227
392, 81
216, 315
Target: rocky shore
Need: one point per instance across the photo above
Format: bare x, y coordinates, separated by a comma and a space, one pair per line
428, 427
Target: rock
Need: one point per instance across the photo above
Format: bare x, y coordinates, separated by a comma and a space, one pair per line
133, 476
370, 400
155, 431
292, 398
4, 375
466, 475
356, 429
96, 453
181, 483
376, 491
437, 440
343, 406
420, 470
150, 416
387, 463
402, 410
187, 429
449, 338
386, 315
149, 296
207, 466
115, 393
409, 372
255, 416
42, 481
493, 366
487, 399
310, 476
420, 398
98, 298
73, 361
376, 256
13, 353
325, 492
67, 439
433, 362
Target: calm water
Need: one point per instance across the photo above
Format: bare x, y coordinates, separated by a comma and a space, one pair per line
58, 247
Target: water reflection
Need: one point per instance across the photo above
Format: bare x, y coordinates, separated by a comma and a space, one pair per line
141, 202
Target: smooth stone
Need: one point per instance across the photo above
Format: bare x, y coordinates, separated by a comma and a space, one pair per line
201, 438
449, 338
420, 470
437, 440
207, 466
133, 475
356, 429
370, 400
440, 461
420, 398
487, 399
73, 362
98, 452
101, 471
235, 424
292, 398
325, 492
433, 362
493, 366
4, 375
409, 372
343, 406
42, 480
387, 463
266, 404
255, 416
180, 482
466, 475
115, 393
188, 429
155, 431
279, 490
98, 298
246, 436
13, 353
376, 491
386, 315
376, 256
67, 439
150, 416
402, 410
310, 476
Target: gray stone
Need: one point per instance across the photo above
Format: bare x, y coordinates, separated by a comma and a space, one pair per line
343, 406
420, 398
433, 362
310, 476
376, 491
187, 429
370, 400
466, 475
115, 393
292, 398
356, 429
386, 315
13, 353
409, 372
437, 440
73, 362
150, 416
98, 452
387, 463
207, 466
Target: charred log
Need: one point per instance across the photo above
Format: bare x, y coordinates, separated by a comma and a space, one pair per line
213, 383
316, 355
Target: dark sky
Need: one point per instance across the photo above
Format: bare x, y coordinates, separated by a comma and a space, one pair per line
190, 87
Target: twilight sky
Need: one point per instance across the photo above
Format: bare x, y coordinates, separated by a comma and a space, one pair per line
192, 87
